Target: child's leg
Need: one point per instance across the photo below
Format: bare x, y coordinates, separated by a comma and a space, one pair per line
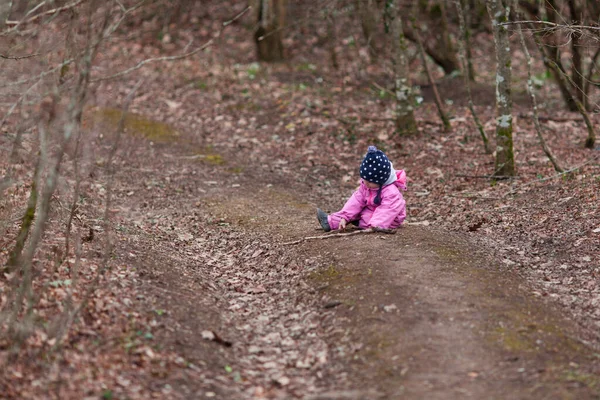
334, 220
351, 211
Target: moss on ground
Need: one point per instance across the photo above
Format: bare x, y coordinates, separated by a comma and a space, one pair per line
134, 124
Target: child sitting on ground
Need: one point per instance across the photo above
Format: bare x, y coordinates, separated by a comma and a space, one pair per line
377, 203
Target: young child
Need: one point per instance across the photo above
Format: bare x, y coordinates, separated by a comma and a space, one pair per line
377, 203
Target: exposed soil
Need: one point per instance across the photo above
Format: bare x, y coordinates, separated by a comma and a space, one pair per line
419, 314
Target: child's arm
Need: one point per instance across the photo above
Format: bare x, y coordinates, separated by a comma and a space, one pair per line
392, 204
353, 206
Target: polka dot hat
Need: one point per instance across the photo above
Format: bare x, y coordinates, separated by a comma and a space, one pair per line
375, 168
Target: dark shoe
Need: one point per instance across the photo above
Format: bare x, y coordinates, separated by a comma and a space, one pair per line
322, 217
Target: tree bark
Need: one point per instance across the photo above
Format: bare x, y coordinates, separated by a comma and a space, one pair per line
269, 34
368, 24
332, 39
576, 54
26, 222
466, 35
405, 118
590, 73
505, 160
436, 95
462, 54
551, 53
448, 63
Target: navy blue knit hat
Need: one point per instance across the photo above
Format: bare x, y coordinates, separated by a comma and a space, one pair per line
375, 168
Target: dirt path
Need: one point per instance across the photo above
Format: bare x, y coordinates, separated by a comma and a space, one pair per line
419, 314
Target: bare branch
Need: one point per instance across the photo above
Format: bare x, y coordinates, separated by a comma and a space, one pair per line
178, 57
26, 20
558, 175
341, 234
536, 119
16, 104
553, 25
463, 55
108, 245
39, 76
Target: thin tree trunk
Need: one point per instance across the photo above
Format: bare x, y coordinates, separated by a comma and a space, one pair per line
104, 266
462, 54
505, 159
368, 24
269, 34
576, 54
405, 118
447, 62
332, 39
74, 113
590, 73
436, 95
536, 119
73, 208
551, 55
466, 23
446, 37
565, 81
15, 254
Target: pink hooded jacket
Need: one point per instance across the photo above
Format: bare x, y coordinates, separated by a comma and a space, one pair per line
360, 206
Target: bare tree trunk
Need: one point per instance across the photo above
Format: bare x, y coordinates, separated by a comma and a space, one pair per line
590, 73
332, 39
576, 54
436, 95
5, 10
73, 121
551, 54
505, 159
269, 34
447, 61
564, 80
446, 38
405, 118
28, 217
536, 119
26, 222
465, 13
368, 24
462, 43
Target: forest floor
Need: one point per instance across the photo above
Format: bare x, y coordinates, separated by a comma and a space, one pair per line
491, 289
225, 309
423, 313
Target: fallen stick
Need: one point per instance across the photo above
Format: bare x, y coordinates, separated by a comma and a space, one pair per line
336, 235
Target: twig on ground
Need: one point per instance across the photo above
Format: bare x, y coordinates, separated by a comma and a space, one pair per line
7, 57
378, 86
591, 160
341, 234
497, 177
550, 118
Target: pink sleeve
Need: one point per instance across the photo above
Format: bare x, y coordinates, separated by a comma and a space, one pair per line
353, 206
392, 204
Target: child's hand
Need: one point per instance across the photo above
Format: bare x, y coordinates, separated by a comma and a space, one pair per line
342, 224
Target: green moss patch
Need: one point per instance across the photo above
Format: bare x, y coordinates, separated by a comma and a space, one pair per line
134, 124
325, 275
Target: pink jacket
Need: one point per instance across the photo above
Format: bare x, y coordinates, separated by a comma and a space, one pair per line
360, 206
